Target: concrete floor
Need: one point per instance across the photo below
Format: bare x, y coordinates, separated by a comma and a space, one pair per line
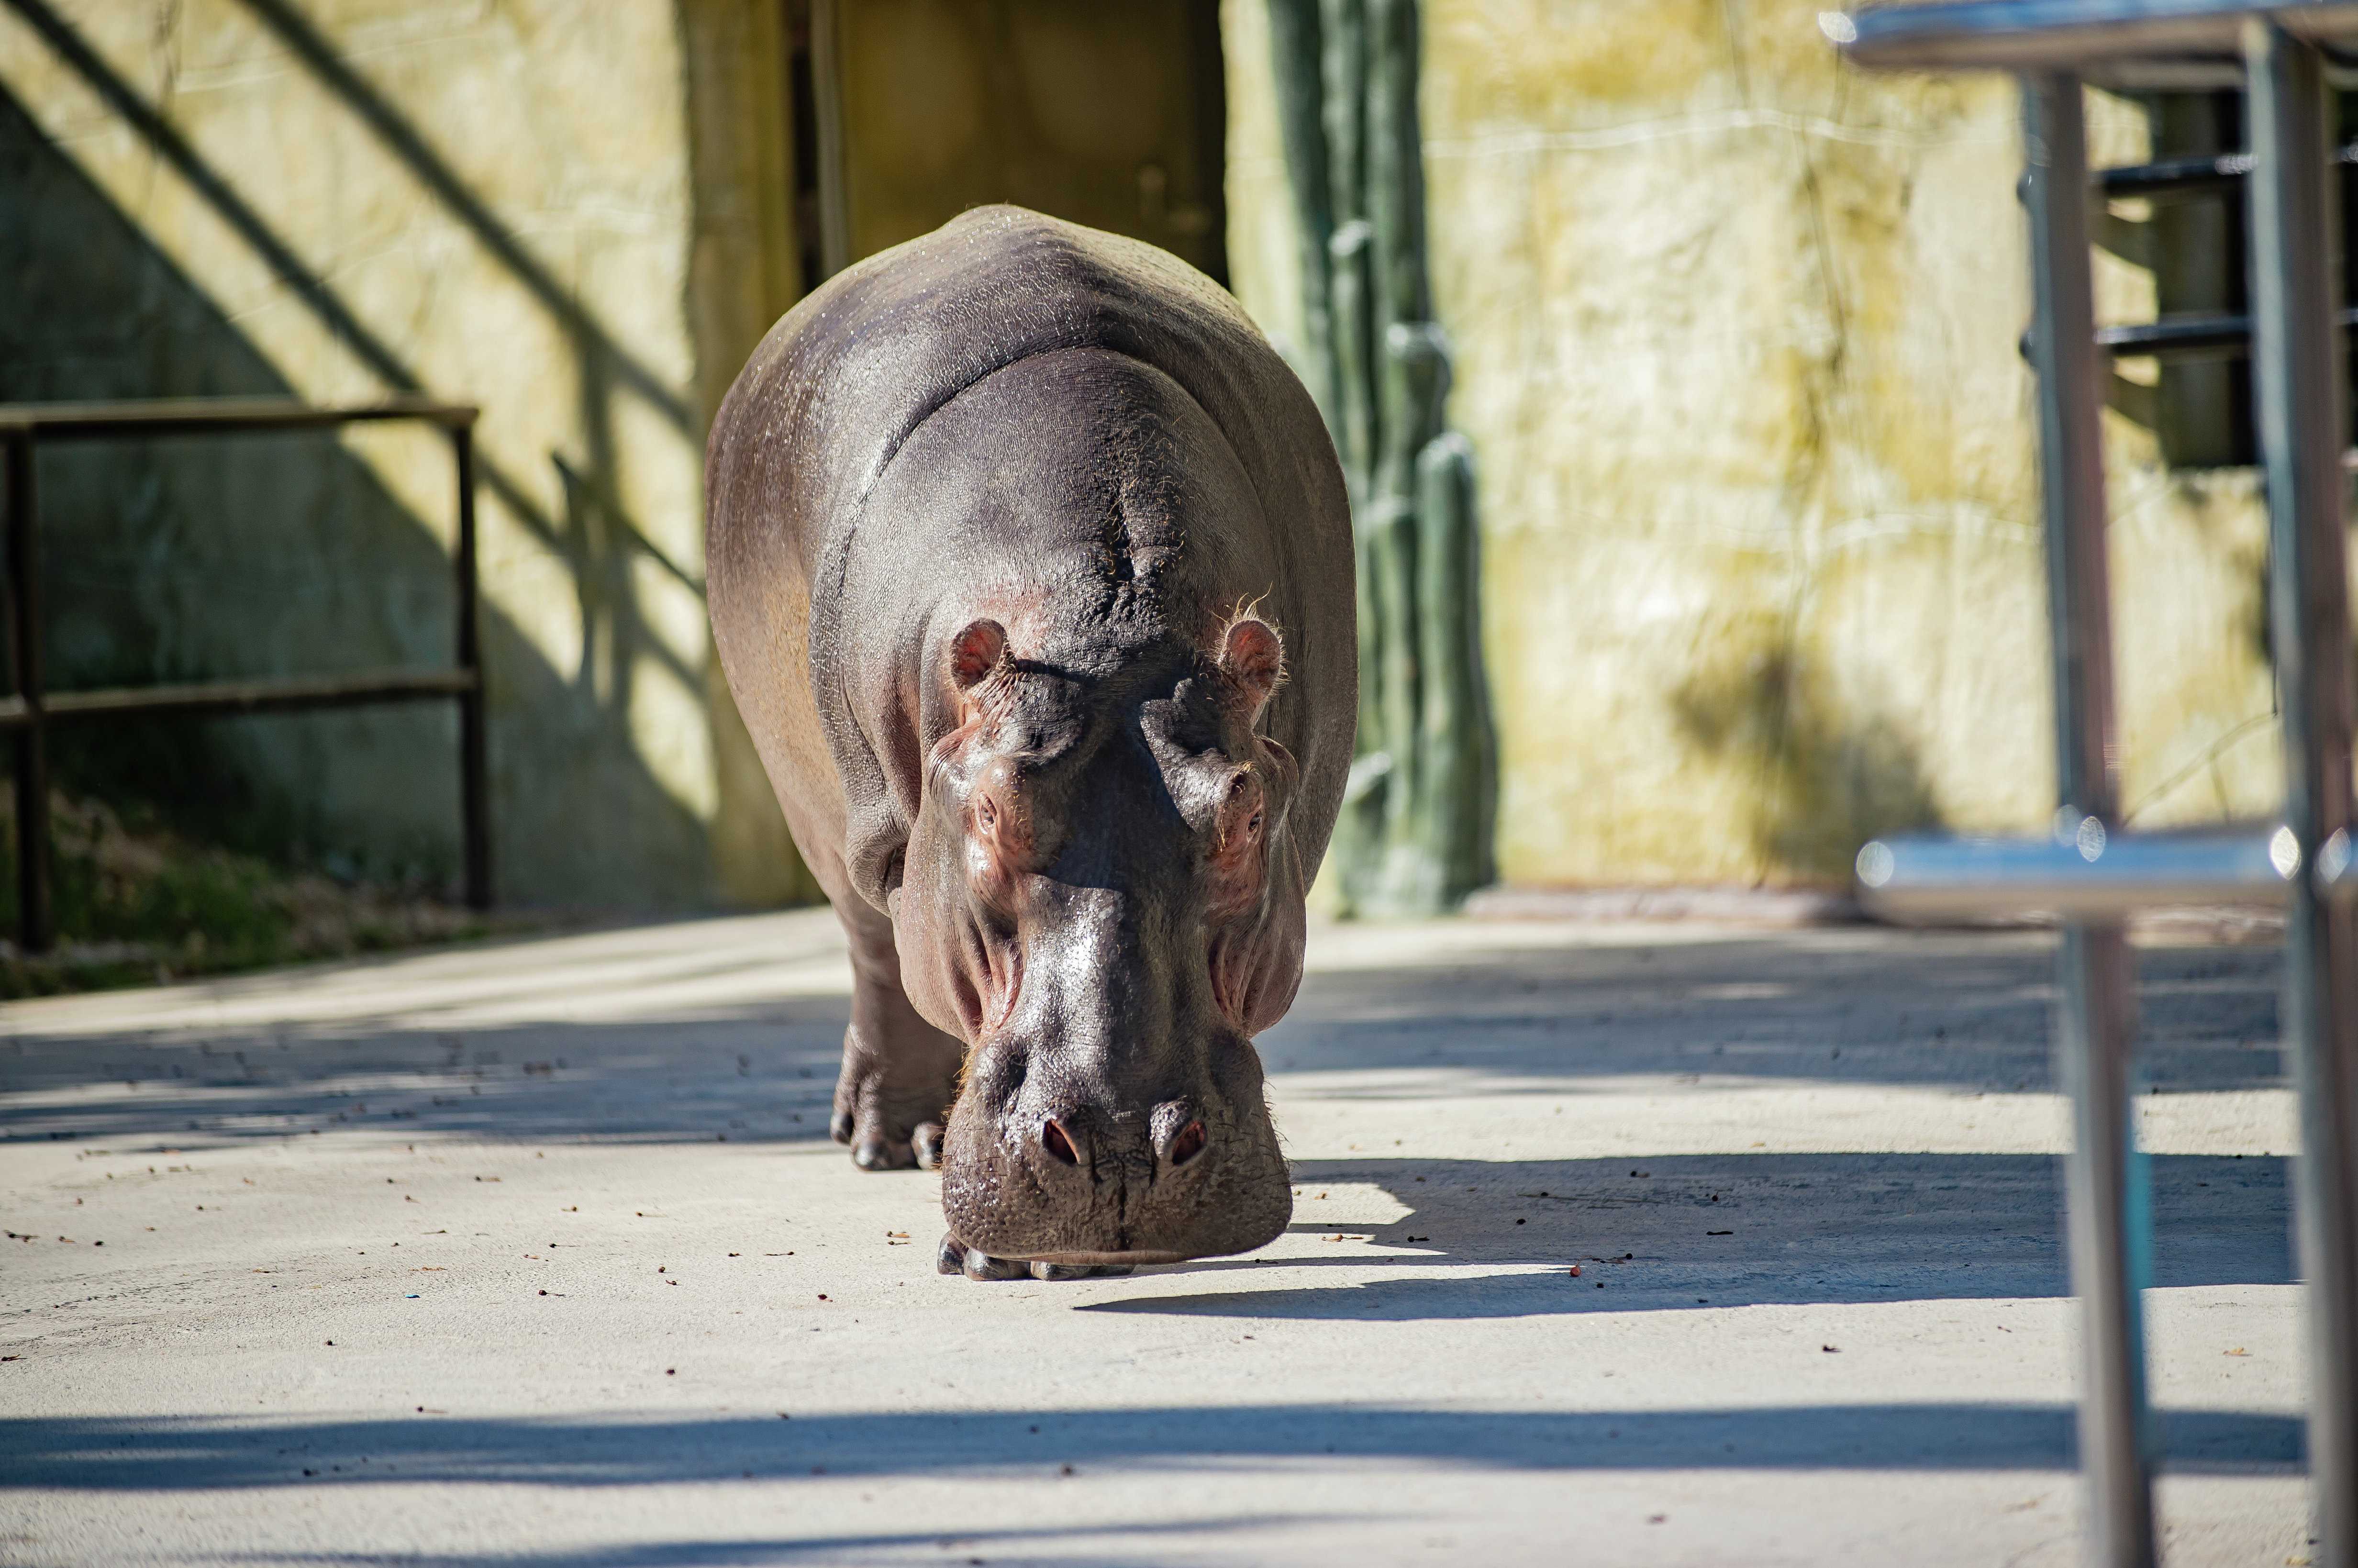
537, 1253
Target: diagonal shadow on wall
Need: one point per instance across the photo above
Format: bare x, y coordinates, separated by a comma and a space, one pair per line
171, 560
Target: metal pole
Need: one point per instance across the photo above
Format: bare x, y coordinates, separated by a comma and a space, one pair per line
2296, 375
474, 784
826, 94
34, 933
2109, 1221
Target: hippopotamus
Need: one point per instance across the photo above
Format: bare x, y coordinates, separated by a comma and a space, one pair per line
1030, 569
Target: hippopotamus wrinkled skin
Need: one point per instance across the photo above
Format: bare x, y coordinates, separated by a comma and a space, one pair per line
1031, 569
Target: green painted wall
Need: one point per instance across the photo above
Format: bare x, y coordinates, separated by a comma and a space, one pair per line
1735, 331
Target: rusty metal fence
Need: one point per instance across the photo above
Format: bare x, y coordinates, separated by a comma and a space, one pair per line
30, 712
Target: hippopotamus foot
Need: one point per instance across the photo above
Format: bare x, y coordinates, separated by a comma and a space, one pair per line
891, 1111
958, 1257
900, 1073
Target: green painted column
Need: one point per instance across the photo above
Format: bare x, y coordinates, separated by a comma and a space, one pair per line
1415, 833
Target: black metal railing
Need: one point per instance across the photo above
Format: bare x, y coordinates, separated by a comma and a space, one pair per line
32, 709
2206, 335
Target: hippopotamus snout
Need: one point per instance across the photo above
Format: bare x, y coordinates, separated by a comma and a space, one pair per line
1047, 1161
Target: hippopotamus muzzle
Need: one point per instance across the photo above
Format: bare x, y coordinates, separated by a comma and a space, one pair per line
1042, 1168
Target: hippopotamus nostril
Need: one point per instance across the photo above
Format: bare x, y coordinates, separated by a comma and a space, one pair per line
1189, 1143
1058, 1142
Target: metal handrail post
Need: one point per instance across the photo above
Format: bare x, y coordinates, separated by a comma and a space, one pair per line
34, 931
474, 784
2296, 380
2109, 1221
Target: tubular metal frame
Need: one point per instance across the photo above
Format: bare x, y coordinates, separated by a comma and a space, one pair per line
2091, 873
34, 708
2296, 375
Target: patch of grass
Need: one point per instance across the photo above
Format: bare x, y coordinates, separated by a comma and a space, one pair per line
136, 904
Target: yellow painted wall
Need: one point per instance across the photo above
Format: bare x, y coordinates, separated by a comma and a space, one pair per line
1735, 331
576, 216
1092, 112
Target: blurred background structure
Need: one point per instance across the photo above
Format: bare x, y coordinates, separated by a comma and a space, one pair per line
1726, 333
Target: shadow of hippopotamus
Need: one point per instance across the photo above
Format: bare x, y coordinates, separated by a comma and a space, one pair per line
1031, 570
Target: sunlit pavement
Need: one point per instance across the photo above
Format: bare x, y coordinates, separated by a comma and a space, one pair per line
537, 1253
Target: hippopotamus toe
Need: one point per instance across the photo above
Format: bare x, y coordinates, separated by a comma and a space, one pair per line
960, 1259
956, 1258
928, 1142
882, 1155
1044, 1271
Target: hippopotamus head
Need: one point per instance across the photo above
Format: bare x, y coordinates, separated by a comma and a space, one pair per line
1100, 858
1101, 888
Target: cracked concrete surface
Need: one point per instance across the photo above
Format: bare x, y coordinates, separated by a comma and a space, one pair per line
538, 1252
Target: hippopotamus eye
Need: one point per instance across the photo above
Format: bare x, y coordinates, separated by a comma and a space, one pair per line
1241, 813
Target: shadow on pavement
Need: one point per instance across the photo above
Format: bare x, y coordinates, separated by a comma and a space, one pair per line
184, 1454
832, 1548
1869, 1006
1743, 1229
766, 1075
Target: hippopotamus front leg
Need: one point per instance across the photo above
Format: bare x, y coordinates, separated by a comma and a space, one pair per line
900, 1073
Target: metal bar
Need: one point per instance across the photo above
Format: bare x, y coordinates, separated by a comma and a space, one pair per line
2070, 451
474, 757
2174, 335
834, 177
209, 416
2190, 336
2296, 380
2087, 873
2177, 176
2107, 1217
2052, 34
2209, 173
278, 695
34, 926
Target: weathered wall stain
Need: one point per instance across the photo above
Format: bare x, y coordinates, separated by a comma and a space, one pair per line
1735, 333
1820, 777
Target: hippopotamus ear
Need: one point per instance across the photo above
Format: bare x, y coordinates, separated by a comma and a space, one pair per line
1253, 657
977, 651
